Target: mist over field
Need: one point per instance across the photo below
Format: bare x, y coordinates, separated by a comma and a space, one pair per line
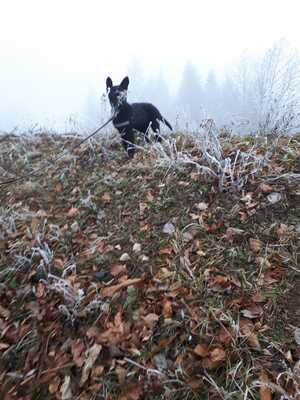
237, 64
139, 262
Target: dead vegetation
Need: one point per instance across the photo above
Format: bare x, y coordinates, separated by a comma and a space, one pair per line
174, 275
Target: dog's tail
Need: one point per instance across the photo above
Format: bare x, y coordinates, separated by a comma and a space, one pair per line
166, 122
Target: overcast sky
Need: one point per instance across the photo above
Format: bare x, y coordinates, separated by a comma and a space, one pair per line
54, 52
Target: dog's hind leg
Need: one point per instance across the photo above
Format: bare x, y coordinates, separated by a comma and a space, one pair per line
128, 142
156, 129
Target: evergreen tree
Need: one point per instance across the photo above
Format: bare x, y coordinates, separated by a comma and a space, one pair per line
190, 93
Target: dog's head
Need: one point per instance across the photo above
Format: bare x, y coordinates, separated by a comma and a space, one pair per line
117, 94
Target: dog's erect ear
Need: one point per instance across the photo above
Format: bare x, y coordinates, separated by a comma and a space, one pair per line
124, 84
108, 83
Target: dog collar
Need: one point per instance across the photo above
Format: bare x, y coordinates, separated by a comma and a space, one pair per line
121, 124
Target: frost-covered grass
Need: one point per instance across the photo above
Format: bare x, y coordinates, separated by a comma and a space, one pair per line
188, 311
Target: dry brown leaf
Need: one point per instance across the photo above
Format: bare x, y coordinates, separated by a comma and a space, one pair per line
4, 346
195, 383
252, 312
201, 350
121, 374
264, 392
217, 355
233, 232
150, 319
265, 188
282, 231
167, 309
92, 332
98, 370
133, 393
106, 197
255, 245
166, 250
92, 354
54, 385
247, 329
40, 290
4, 312
150, 197
111, 290
77, 348
143, 207
258, 298
194, 175
117, 269
59, 187
72, 212
224, 336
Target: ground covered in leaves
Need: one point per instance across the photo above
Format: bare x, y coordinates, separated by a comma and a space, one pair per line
124, 280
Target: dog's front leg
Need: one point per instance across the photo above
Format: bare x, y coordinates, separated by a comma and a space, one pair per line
128, 142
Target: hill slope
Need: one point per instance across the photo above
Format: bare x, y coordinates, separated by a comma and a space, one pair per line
162, 277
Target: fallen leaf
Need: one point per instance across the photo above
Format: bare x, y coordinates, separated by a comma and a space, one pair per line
92, 354
4, 312
202, 206
117, 269
258, 298
274, 197
252, 312
98, 370
255, 245
264, 391
133, 393
72, 212
194, 175
150, 197
77, 348
59, 187
282, 231
194, 383
217, 355
265, 188
137, 247
121, 374
201, 350
125, 257
167, 309
150, 319
224, 336
54, 385
65, 389
143, 207
111, 290
166, 250
247, 330
169, 229
160, 361
106, 198
4, 346
232, 232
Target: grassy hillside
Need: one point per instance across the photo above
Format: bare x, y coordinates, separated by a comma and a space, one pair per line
172, 276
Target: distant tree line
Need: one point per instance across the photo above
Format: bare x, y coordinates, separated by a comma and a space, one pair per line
260, 95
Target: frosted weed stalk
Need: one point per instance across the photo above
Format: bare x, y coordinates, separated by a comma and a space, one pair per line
232, 171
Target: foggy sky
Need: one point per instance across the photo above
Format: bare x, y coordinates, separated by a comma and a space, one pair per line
54, 53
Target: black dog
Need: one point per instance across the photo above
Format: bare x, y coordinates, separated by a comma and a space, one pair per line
132, 117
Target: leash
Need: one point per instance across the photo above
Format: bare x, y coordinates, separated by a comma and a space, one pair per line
35, 172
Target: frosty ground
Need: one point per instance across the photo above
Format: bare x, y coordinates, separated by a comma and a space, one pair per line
174, 275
